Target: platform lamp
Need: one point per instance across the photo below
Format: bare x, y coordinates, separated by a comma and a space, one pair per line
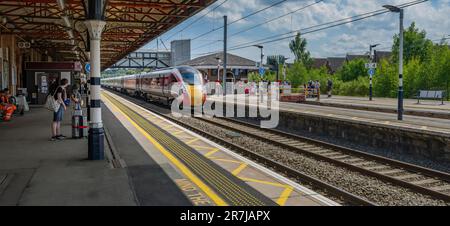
372, 57
396, 9
262, 53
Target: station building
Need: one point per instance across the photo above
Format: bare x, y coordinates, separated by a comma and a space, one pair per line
238, 68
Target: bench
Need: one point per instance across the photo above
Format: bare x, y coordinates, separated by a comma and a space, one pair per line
430, 95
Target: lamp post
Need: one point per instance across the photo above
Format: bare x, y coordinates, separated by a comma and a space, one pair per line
372, 56
218, 67
396, 9
262, 54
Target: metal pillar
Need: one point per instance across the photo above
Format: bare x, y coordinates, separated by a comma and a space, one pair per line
400, 70
225, 61
95, 25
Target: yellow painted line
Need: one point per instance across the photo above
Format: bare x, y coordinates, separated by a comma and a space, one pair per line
239, 169
209, 154
285, 196
226, 160
188, 173
205, 148
192, 141
179, 132
263, 182
168, 127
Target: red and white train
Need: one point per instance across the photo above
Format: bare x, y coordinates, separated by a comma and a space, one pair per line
183, 83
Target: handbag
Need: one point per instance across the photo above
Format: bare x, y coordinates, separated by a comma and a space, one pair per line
51, 104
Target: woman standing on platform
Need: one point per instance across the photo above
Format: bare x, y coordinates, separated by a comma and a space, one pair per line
60, 96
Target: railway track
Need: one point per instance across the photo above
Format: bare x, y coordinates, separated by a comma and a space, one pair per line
415, 178
422, 180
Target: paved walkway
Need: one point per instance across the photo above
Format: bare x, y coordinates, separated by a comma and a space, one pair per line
36, 171
388, 103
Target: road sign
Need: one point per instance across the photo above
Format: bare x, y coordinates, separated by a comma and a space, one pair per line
371, 65
371, 71
262, 71
88, 68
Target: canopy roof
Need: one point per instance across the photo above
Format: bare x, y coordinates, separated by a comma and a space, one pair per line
57, 28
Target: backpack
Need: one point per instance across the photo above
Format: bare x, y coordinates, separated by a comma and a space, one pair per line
51, 104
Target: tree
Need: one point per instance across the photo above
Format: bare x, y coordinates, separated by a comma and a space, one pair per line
276, 60
353, 69
298, 48
415, 45
297, 74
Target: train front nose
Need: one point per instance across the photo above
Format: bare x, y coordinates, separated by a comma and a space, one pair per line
197, 95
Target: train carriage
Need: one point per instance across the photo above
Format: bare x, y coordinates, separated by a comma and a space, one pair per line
163, 86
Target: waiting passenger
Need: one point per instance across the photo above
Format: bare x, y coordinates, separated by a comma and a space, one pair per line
60, 96
76, 98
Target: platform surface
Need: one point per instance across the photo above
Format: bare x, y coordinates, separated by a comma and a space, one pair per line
37, 172
253, 180
415, 123
433, 106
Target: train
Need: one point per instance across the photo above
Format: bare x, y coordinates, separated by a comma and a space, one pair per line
184, 84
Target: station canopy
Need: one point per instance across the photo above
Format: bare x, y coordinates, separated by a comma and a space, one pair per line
56, 27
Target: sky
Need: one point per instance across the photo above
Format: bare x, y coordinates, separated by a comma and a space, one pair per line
432, 16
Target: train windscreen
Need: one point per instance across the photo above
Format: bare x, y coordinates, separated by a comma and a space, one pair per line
190, 76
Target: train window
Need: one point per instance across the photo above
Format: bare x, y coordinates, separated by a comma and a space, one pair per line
169, 80
190, 76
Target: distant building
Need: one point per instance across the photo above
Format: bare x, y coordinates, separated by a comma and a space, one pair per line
319, 63
351, 57
237, 67
335, 64
380, 55
180, 51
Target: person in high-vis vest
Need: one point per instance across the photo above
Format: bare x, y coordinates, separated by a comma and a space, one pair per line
6, 107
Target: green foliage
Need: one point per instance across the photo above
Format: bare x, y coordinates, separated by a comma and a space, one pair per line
276, 60
298, 48
353, 70
416, 45
297, 74
386, 80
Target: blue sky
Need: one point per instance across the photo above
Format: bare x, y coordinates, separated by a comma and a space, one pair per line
433, 16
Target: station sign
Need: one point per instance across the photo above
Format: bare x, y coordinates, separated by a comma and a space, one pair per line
371, 71
262, 71
371, 65
87, 67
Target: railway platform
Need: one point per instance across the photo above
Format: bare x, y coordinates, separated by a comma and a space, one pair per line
207, 173
426, 108
35, 171
150, 162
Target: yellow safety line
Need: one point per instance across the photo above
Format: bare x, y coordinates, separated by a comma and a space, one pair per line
285, 196
240, 169
225, 160
208, 191
168, 127
263, 182
192, 141
209, 154
179, 132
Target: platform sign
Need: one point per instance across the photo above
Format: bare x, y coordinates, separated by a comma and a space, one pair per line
262, 71
88, 68
371, 65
